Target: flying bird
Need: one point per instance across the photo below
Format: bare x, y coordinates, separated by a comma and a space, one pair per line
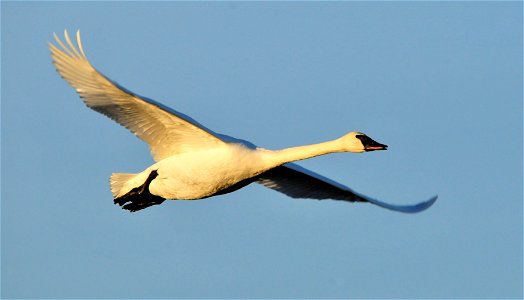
193, 162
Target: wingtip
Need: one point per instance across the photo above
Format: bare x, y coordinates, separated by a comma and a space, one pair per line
423, 205
415, 208
69, 48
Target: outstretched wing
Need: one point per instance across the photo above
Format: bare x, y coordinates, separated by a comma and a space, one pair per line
298, 182
167, 132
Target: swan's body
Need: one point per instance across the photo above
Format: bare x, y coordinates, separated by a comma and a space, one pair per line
200, 174
193, 162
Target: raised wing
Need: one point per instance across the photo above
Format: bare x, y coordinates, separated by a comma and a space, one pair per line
298, 182
167, 131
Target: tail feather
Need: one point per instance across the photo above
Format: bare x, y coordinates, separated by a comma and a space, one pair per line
117, 181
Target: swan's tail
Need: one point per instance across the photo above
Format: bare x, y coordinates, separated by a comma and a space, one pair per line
117, 181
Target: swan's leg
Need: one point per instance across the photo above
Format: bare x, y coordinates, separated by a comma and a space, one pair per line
140, 197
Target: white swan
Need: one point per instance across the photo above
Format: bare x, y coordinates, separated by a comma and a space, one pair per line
193, 162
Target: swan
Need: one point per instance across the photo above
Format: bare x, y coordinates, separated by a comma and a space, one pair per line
191, 161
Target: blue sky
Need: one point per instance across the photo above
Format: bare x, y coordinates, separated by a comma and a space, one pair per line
439, 82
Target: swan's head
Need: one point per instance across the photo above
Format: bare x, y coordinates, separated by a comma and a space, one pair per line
359, 142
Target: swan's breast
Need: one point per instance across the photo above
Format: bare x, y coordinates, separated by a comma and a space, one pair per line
195, 175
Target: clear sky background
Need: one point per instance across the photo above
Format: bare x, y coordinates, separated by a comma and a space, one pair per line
439, 82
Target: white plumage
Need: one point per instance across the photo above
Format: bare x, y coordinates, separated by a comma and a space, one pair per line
193, 162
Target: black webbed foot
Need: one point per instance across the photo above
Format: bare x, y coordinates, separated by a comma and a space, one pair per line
140, 197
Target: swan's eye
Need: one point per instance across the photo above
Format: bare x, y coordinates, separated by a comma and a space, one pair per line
362, 138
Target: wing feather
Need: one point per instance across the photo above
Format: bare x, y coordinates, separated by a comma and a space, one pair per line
298, 182
167, 131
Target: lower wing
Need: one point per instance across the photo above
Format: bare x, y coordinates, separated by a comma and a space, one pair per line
298, 182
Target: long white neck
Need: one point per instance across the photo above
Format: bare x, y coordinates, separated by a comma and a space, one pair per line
280, 157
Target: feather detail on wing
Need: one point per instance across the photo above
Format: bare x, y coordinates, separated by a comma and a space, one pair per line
298, 182
167, 132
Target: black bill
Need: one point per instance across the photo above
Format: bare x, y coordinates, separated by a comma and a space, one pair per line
370, 144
